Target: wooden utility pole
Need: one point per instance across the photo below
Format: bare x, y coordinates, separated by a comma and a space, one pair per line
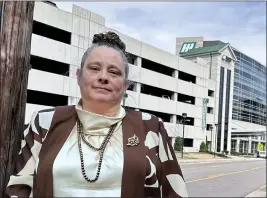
15, 42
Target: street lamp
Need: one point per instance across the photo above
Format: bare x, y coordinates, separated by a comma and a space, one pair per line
211, 136
184, 115
215, 146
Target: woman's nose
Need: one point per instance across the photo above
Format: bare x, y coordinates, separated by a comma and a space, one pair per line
103, 77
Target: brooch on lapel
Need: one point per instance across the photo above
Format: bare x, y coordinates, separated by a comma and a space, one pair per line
133, 141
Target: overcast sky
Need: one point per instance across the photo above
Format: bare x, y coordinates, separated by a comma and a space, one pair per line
242, 24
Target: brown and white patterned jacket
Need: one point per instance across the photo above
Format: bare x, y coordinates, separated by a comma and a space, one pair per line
150, 168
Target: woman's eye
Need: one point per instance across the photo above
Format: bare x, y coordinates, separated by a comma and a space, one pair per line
114, 72
94, 68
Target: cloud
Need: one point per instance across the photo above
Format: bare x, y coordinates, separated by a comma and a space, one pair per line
242, 24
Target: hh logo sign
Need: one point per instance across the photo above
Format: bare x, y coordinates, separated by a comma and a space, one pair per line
187, 46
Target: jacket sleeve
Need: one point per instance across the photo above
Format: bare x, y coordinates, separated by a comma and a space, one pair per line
171, 177
20, 184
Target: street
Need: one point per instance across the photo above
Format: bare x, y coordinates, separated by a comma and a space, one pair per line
224, 179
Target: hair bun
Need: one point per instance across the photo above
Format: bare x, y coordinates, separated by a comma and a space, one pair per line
110, 39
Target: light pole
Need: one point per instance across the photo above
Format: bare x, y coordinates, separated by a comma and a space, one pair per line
211, 136
215, 146
184, 115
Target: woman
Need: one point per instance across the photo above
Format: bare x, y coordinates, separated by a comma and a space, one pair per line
96, 148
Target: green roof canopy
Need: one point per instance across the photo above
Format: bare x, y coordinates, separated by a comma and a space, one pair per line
204, 50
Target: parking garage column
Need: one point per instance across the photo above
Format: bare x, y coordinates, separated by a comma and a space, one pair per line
138, 91
175, 98
173, 119
237, 145
138, 62
249, 145
175, 74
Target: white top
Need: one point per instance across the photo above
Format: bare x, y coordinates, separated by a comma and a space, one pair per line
68, 180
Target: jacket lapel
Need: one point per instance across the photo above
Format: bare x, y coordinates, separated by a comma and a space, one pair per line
63, 122
134, 169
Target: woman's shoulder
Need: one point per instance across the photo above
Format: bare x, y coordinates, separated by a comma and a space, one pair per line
149, 122
43, 118
41, 115
48, 114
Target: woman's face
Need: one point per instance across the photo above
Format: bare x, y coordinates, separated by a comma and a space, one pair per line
102, 77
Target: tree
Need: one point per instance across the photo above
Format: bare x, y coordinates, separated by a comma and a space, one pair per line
15, 42
178, 144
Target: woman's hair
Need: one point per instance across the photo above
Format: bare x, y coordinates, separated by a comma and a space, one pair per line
112, 40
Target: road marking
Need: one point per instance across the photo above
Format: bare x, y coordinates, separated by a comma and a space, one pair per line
224, 174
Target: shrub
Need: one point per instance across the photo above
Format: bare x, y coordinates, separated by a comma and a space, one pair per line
221, 155
203, 147
235, 153
178, 144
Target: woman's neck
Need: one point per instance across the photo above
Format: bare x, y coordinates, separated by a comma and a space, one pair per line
101, 109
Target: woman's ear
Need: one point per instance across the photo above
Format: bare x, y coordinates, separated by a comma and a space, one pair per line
78, 75
127, 85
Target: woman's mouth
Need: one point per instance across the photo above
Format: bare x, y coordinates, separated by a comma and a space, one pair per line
103, 88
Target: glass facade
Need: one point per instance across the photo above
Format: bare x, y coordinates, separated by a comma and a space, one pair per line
249, 98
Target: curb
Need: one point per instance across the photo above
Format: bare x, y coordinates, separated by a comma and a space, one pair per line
261, 192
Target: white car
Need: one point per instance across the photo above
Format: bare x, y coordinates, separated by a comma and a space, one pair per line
261, 154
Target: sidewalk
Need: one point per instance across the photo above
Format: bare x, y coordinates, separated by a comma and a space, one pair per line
216, 159
261, 192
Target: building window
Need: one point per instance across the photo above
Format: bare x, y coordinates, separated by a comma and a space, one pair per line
51, 66
188, 142
233, 145
132, 86
186, 99
210, 93
132, 59
155, 91
164, 116
253, 147
46, 99
153, 66
51, 32
209, 127
187, 77
210, 110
